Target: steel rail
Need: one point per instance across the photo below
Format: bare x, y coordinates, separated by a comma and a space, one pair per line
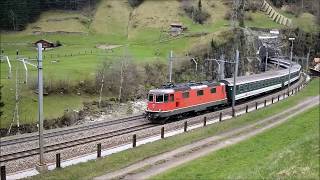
69, 131
73, 143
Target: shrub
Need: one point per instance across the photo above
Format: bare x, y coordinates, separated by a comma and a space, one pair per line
227, 15
200, 16
248, 17
1, 103
58, 43
253, 6
135, 3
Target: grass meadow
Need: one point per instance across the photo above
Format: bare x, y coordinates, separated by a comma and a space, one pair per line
79, 58
289, 151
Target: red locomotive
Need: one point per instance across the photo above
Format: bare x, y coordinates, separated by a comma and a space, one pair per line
171, 100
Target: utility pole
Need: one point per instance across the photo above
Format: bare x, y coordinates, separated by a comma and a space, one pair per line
121, 81
17, 100
307, 63
267, 54
170, 66
41, 166
17, 95
101, 88
290, 39
235, 80
222, 67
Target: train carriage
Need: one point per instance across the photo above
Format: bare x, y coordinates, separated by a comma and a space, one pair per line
171, 100
249, 86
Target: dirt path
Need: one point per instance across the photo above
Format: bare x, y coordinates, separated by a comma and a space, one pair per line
160, 163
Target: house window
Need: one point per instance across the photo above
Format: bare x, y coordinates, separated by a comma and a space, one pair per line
200, 93
213, 90
185, 94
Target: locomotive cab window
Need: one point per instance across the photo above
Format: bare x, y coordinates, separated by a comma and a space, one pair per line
213, 90
171, 97
159, 98
166, 97
200, 93
150, 97
185, 94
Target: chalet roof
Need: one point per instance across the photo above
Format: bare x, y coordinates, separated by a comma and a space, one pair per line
43, 40
176, 24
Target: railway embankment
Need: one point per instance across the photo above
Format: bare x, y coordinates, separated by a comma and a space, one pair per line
125, 158
166, 161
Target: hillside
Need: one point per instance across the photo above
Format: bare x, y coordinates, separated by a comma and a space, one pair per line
105, 34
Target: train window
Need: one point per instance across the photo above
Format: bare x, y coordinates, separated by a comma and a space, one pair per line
185, 94
171, 97
241, 88
159, 98
213, 90
150, 97
166, 97
200, 93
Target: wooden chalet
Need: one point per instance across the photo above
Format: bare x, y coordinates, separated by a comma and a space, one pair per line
45, 43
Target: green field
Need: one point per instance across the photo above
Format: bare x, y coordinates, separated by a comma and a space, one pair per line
290, 151
122, 159
79, 58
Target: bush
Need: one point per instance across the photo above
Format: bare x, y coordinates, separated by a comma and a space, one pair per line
110, 74
198, 16
248, 17
253, 6
58, 43
292, 9
135, 3
227, 15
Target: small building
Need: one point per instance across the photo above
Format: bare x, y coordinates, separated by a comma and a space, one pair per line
176, 29
45, 43
315, 71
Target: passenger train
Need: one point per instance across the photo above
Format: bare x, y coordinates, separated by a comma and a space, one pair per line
176, 99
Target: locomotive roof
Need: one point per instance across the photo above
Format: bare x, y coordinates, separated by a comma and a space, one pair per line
171, 88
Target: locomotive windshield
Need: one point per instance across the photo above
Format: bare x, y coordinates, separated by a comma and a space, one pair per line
159, 98
166, 97
150, 97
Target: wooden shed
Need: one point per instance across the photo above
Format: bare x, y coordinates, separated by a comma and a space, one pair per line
176, 28
45, 43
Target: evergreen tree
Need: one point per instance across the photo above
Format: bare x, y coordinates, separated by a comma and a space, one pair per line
1, 103
200, 5
135, 3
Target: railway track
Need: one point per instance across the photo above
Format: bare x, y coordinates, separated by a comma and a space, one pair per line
70, 130
73, 143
